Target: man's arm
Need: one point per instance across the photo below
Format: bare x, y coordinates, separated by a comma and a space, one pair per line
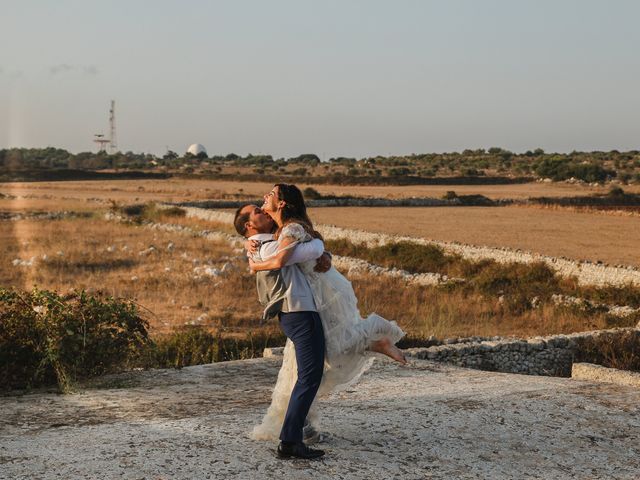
302, 252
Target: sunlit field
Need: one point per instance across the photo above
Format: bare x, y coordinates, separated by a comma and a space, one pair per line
180, 189
182, 279
593, 236
177, 279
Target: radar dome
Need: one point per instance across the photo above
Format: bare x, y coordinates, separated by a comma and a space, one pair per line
197, 149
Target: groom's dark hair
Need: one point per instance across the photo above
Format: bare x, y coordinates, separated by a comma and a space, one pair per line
241, 219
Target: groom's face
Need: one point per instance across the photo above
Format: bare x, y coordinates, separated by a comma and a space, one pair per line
258, 219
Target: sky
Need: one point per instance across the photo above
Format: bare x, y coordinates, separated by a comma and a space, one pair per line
332, 77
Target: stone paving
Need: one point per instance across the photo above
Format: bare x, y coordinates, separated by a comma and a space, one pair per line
425, 420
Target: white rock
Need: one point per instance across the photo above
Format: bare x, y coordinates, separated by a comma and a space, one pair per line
147, 251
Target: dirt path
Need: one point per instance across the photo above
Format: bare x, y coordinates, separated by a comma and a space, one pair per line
424, 421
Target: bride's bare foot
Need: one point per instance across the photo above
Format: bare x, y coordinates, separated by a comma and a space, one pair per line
387, 348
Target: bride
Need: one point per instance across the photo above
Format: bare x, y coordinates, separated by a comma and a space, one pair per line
347, 334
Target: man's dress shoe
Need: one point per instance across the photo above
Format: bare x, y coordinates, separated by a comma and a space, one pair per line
298, 450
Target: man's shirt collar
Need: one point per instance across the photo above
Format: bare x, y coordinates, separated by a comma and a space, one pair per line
261, 237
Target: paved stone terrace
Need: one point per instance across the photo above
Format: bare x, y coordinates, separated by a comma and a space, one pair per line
426, 420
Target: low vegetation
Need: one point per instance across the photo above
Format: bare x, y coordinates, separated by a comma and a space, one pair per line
150, 298
516, 284
616, 197
493, 165
621, 351
52, 339
46, 338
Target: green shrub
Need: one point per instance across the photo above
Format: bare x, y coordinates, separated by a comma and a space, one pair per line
614, 295
185, 346
613, 351
173, 212
48, 339
450, 195
311, 193
409, 256
517, 283
151, 212
346, 248
194, 345
412, 257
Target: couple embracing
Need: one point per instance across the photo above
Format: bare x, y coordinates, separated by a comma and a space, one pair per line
318, 312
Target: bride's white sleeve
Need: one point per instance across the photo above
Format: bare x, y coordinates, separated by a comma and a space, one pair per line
294, 231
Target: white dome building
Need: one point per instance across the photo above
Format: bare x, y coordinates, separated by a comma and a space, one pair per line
197, 149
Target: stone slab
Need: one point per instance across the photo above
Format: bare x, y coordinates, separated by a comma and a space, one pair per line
423, 421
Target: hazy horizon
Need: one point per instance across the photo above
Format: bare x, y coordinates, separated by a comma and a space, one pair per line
353, 79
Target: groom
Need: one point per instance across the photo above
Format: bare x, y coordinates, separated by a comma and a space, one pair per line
287, 294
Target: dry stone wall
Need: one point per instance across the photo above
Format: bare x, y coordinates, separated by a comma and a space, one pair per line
551, 355
587, 273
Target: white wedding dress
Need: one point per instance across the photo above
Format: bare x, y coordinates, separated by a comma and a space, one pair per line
347, 337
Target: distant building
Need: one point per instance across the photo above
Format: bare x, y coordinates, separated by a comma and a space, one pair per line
197, 150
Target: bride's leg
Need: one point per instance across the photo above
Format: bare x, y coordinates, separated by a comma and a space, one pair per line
387, 348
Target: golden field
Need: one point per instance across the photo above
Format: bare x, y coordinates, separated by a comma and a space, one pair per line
576, 234
167, 275
179, 189
168, 280
580, 235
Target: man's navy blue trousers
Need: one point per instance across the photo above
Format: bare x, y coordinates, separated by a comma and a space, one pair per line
305, 331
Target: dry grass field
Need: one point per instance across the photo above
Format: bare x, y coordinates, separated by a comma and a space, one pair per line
169, 274
183, 279
179, 282
176, 189
577, 235
430, 311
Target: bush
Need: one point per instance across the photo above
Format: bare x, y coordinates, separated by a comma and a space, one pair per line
411, 256
616, 192
48, 339
151, 212
194, 345
185, 346
517, 283
614, 295
613, 351
563, 169
408, 256
450, 195
311, 193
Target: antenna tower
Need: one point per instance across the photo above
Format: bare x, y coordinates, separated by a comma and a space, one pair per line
113, 145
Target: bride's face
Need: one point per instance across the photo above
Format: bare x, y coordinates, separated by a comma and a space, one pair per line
271, 202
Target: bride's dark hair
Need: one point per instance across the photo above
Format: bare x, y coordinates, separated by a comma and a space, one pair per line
294, 209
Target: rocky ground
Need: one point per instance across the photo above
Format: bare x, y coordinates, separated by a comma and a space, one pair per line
426, 420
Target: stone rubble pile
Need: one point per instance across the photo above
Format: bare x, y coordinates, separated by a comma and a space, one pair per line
356, 266
586, 305
598, 373
15, 217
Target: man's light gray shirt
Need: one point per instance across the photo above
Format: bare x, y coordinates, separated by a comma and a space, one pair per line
285, 290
